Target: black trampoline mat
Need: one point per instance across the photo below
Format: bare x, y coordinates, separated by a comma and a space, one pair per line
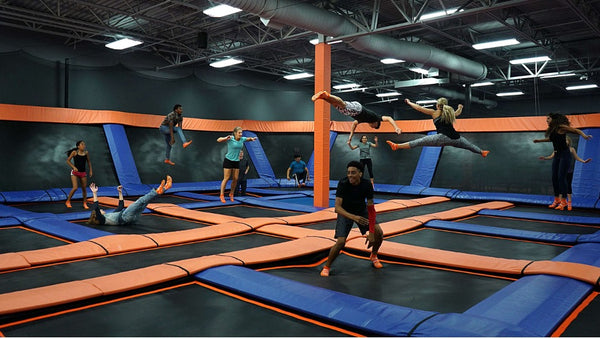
246, 211
15, 239
106, 265
52, 207
166, 198
531, 225
411, 286
149, 223
584, 325
479, 245
189, 310
545, 210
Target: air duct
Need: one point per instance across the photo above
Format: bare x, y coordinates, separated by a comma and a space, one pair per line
318, 20
451, 94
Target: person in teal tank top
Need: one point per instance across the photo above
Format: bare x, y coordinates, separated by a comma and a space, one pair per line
231, 163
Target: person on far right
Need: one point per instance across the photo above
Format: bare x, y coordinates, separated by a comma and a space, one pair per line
574, 157
558, 127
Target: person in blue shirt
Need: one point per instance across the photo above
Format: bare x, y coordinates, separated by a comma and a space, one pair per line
231, 163
298, 171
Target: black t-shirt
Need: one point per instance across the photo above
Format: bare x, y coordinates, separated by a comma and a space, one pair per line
354, 196
559, 141
445, 128
367, 116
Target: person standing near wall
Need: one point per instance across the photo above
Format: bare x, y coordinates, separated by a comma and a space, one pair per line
231, 163
558, 127
242, 183
574, 157
173, 123
365, 154
80, 157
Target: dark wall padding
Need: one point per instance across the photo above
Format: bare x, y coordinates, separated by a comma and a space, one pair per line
35, 158
393, 167
512, 165
280, 149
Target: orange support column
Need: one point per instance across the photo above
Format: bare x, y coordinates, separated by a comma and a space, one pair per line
322, 122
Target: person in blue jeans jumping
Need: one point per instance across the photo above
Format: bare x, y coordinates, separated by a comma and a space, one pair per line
169, 127
124, 216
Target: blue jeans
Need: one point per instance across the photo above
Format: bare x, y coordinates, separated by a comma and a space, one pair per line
133, 212
167, 133
560, 168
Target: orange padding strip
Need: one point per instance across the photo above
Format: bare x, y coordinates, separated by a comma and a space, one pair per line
12, 112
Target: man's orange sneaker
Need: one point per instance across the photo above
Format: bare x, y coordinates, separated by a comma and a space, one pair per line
320, 95
167, 161
376, 263
325, 271
185, 145
392, 145
485, 153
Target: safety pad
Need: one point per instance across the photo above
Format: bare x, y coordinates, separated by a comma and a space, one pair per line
62, 253
8, 222
585, 253
8, 211
12, 260
294, 232
589, 238
510, 197
549, 300
121, 154
410, 190
197, 196
258, 222
46, 296
73, 232
26, 196
462, 325
439, 192
445, 258
388, 188
426, 166
373, 317
193, 186
586, 177
122, 243
135, 189
311, 161
195, 265
269, 191
468, 210
136, 279
259, 157
547, 237
399, 226
543, 217
199, 234
324, 215
282, 251
200, 205
281, 205
582, 272
290, 194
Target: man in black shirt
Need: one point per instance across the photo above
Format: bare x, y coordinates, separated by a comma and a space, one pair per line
352, 191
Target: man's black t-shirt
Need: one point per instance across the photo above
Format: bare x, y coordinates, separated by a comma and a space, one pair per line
354, 196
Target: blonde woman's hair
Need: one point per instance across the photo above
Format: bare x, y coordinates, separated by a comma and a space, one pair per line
447, 111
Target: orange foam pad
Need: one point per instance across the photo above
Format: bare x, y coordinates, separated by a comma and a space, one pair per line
290, 231
199, 234
122, 243
24, 259
583, 272
446, 258
314, 217
11, 261
282, 251
469, 210
421, 201
258, 222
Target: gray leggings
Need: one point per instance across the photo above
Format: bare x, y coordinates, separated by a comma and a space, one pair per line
443, 140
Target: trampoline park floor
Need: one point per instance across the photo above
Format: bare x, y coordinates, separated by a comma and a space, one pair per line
195, 267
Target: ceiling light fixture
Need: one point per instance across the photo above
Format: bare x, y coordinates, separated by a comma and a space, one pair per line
433, 15
298, 76
482, 84
579, 87
419, 70
221, 11
389, 61
388, 94
226, 62
530, 60
515, 93
559, 74
346, 86
495, 44
123, 44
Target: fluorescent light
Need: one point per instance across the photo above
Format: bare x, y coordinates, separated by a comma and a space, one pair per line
426, 101
226, 63
559, 74
123, 44
298, 76
510, 93
482, 84
389, 61
220, 11
315, 41
419, 70
494, 44
438, 14
346, 86
587, 86
530, 60
388, 94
